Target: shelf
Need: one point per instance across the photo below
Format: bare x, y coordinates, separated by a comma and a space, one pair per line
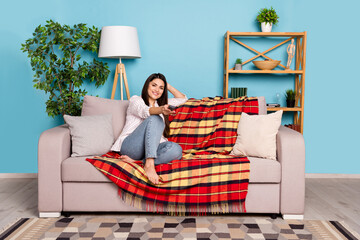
297, 72
285, 109
268, 71
264, 34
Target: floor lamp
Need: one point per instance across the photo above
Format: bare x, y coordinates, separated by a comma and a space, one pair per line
119, 42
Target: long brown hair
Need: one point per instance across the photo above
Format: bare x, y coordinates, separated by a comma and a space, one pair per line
161, 101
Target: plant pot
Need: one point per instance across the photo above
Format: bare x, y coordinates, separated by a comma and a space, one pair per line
266, 27
238, 66
290, 103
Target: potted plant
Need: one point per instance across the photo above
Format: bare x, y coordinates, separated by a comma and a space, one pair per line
290, 98
55, 52
267, 17
238, 64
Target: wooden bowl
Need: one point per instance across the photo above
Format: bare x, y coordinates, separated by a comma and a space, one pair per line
266, 65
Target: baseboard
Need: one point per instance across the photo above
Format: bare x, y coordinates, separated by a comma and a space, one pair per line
331, 175
18, 175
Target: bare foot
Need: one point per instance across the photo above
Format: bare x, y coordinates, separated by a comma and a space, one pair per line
150, 171
126, 158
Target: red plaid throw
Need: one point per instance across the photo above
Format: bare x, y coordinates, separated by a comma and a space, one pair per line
206, 179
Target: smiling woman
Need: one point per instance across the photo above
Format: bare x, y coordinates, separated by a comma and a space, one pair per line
144, 136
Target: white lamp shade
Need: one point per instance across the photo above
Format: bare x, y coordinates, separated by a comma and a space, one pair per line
119, 42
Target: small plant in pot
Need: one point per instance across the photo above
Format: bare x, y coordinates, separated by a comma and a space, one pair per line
290, 98
267, 18
238, 64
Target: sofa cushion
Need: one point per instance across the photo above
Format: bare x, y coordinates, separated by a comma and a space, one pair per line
257, 135
90, 134
264, 170
99, 106
77, 169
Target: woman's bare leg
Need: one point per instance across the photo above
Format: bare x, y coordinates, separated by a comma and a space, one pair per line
150, 171
149, 168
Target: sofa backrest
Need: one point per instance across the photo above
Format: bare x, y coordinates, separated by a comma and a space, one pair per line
101, 106
262, 106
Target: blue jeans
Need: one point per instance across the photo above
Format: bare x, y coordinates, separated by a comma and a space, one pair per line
144, 142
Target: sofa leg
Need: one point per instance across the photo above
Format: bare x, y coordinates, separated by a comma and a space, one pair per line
293, 216
274, 215
49, 214
66, 214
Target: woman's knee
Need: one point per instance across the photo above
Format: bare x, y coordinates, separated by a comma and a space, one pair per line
176, 150
156, 120
167, 152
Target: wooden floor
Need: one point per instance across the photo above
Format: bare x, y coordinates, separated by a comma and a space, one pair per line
326, 199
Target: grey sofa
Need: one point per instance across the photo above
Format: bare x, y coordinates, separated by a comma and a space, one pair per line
71, 184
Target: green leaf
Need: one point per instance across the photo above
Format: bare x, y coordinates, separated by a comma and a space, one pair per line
52, 51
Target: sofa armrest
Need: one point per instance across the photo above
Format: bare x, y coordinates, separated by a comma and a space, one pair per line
291, 155
54, 147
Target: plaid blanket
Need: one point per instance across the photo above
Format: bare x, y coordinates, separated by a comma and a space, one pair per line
209, 126
206, 179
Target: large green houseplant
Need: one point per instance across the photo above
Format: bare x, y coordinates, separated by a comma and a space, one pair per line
55, 52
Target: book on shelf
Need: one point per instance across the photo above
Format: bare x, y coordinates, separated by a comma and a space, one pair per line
273, 105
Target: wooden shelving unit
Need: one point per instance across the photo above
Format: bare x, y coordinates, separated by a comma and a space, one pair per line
298, 72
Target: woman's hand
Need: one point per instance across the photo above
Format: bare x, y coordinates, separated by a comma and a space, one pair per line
166, 110
161, 110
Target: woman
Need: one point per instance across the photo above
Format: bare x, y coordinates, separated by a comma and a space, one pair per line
147, 126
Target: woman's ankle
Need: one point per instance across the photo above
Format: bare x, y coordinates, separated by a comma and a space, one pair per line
150, 162
150, 171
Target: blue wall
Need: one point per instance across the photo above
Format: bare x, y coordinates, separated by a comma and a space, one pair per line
184, 40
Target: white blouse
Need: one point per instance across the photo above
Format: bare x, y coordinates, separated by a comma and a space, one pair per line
136, 113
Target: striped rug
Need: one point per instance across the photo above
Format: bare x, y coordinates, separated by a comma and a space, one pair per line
167, 227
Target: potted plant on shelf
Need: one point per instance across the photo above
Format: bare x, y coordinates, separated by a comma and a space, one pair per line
267, 17
55, 52
238, 64
290, 98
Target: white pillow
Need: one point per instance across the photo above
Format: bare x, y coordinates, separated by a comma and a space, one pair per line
90, 135
257, 135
